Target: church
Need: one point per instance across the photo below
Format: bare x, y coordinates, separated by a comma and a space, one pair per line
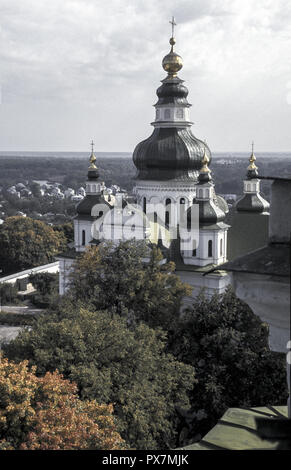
174, 203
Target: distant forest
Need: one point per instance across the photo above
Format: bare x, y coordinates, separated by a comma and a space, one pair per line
69, 172
228, 176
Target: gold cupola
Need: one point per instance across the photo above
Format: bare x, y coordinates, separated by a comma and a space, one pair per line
205, 172
92, 157
252, 168
93, 172
172, 62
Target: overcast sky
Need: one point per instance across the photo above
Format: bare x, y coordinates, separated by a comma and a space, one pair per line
73, 70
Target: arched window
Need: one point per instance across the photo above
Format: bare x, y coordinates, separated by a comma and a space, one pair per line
167, 212
189, 220
167, 218
182, 200
167, 114
180, 113
157, 113
144, 205
209, 248
221, 247
83, 237
155, 217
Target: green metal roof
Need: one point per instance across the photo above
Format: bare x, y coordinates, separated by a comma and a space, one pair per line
237, 430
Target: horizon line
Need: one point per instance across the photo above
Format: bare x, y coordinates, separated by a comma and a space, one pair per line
123, 151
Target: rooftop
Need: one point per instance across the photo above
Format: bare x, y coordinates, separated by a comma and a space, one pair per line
237, 430
272, 259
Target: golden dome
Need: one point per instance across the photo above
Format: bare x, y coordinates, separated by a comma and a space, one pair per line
92, 161
252, 159
205, 162
172, 62
92, 157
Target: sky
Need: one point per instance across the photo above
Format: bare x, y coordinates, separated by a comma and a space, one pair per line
76, 70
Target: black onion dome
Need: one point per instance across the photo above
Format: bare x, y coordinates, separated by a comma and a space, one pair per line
221, 202
252, 203
252, 173
172, 92
93, 173
84, 208
170, 153
209, 212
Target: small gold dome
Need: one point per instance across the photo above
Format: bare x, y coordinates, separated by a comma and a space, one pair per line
252, 159
92, 161
92, 157
205, 162
172, 62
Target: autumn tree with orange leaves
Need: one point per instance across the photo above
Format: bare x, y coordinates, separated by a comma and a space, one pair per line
45, 413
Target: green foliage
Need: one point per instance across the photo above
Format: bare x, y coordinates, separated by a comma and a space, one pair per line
67, 230
26, 243
47, 285
35, 189
8, 293
228, 346
116, 278
16, 319
112, 363
68, 171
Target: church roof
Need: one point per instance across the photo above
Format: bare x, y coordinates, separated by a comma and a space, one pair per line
84, 208
209, 212
272, 259
252, 202
170, 153
238, 430
221, 202
173, 92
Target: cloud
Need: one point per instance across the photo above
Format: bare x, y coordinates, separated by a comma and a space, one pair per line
106, 56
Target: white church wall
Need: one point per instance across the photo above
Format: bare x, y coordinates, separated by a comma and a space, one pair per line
211, 283
81, 226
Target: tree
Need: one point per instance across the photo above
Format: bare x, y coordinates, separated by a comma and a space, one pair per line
8, 293
67, 229
47, 286
26, 243
35, 189
228, 346
45, 413
117, 278
112, 363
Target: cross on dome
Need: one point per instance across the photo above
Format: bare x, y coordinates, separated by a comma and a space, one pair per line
173, 25
92, 157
